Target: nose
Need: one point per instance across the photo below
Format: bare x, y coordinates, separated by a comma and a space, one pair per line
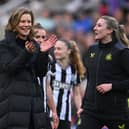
55, 51
27, 23
94, 28
40, 40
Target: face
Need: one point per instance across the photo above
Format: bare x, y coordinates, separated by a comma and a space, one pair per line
61, 51
40, 36
24, 26
101, 31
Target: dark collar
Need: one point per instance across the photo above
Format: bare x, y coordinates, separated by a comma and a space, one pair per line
107, 45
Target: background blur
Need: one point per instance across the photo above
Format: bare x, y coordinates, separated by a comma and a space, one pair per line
71, 19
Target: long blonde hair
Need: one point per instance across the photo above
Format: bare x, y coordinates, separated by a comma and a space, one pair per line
118, 30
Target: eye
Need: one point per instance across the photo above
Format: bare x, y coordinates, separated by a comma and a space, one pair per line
44, 37
41, 36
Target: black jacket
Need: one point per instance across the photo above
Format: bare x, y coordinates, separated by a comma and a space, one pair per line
107, 63
20, 94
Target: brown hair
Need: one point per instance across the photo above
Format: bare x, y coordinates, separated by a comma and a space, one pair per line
75, 57
38, 26
15, 18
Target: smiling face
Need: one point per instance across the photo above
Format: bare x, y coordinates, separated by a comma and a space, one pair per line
102, 32
24, 26
40, 35
61, 51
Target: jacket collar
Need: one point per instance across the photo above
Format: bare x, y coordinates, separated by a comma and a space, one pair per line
107, 45
10, 36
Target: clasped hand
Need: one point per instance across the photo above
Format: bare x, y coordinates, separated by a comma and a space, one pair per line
30, 47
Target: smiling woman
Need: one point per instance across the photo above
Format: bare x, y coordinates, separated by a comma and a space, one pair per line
21, 22
24, 26
20, 93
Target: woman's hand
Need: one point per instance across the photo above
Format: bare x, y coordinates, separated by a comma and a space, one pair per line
30, 47
104, 88
55, 120
79, 111
49, 43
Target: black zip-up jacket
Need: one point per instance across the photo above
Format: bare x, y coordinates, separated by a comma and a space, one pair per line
107, 63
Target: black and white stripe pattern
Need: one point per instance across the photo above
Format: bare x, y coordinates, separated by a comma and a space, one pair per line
62, 82
42, 83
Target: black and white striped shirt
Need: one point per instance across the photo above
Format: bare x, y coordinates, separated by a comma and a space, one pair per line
62, 82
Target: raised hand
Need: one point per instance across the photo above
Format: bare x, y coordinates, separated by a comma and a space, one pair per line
49, 43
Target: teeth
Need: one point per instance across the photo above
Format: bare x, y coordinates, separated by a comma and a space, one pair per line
25, 29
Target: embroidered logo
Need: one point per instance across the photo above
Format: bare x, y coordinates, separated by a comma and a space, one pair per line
92, 55
108, 57
121, 126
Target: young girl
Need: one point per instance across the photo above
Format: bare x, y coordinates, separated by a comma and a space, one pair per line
46, 43
64, 75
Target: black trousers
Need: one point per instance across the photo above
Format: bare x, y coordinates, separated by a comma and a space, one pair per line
31, 124
64, 124
47, 122
90, 122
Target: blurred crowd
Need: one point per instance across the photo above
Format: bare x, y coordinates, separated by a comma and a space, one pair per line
70, 19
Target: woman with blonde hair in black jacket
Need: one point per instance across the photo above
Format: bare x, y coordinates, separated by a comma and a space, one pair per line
107, 62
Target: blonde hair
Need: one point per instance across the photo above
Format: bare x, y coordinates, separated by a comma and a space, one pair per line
118, 30
76, 59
